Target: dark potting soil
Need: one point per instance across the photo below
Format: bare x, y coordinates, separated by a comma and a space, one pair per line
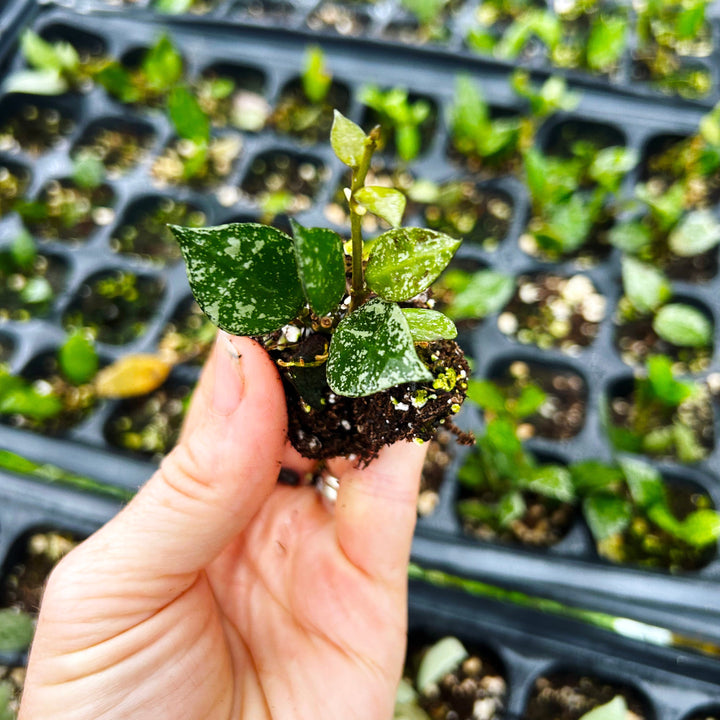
23, 584
33, 128
119, 144
30, 293
14, 180
568, 696
328, 425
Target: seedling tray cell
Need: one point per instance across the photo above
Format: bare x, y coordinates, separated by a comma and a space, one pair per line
570, 570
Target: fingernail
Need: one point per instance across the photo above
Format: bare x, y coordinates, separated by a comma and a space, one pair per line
229, 378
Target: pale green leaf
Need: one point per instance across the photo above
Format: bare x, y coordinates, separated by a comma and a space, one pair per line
644, 481
16, 630
616, 709
429, 325
443, 657
552, 481
244, 275
606, 515
646, 287
347, 140
321, 266
36, 82
372, 350
510, 508
683, 325
406, 261
387, 203
696, 233
630, 237
486, 292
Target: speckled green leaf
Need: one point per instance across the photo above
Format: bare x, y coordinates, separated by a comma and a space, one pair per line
406, 261
387, 203
429, 325
683, 325
347, 140
321, 266
243, 275
372, 350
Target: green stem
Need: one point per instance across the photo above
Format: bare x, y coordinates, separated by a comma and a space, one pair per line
357, 289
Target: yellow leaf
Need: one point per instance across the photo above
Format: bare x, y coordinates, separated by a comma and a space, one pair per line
132, 375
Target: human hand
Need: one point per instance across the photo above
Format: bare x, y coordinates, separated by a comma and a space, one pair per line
217, 594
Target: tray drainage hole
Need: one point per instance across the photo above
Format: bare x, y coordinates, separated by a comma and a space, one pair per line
295, 115
343, 18
637, 339
116, 307
29, 280
48, 401
34, 125
234, 95
384, 174
150, 425
120, 144
67, 211
14, 180
379, 111
281, 182
184, 162
641, 422
476, 687
7, 347
28, 565
553, 311
492, 506
189, 335
143, 231
439, 456
569, 696
561, 415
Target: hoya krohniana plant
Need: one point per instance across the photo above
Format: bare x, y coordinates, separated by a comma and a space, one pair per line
365, 364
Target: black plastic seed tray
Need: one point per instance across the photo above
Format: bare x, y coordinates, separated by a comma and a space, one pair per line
389, 23
570, 570
28, 507
671, 684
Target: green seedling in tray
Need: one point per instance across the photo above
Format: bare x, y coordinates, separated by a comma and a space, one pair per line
663, 416
371, 353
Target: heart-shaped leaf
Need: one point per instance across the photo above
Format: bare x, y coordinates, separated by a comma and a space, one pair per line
646, 287
321, 266
372, 350
683, 325
696, 233
644, 481
406, 261
606, 515
347, 140
552, 481
387, 203
244, 275
428, 325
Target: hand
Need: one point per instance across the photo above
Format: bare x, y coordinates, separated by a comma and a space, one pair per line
217, 594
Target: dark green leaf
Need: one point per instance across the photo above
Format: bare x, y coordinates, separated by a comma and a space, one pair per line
683, 325
646, 287
485, 293
78, 359
244, 275
321, 266
16, 630
696, 233
187, 116
644, 481
552, 481
590, 476
118, 82
347, 140
372, 350
429, 325
487, 395
405, 261
606, 515
387, 203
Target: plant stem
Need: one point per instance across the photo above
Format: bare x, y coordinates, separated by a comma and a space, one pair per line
359, 174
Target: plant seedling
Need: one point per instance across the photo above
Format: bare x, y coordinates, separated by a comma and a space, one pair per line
663, 416
399, 117
632, 517
353, 362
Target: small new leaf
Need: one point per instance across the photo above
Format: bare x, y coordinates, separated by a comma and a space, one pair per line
646, 287
347, 140
387, 203
321, 266
372, 350
188, 118
406, 261
429, 325
78, 359
243, 275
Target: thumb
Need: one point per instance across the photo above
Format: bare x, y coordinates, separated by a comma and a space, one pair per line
214, 481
